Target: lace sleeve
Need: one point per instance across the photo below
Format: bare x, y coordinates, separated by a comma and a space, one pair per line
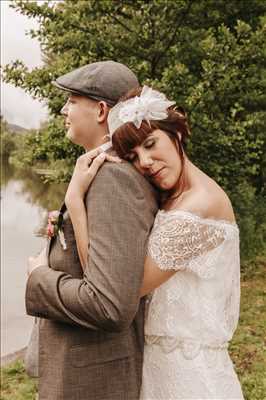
178, 239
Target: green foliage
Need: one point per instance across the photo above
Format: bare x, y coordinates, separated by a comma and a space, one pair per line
228, 106
7, 144
48, 150
9, 140
207, 55
15, 384
250, 212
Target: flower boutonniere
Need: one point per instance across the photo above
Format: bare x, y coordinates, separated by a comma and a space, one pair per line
55, 227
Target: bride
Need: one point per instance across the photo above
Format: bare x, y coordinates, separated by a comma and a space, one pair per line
191, 273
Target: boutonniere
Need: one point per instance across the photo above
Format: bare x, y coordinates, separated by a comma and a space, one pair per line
55, 227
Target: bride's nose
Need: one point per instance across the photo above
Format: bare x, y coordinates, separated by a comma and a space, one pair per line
145, 160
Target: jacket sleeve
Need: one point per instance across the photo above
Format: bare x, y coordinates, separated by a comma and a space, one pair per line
121, 210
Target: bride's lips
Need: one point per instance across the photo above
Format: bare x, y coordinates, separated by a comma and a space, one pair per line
157, 174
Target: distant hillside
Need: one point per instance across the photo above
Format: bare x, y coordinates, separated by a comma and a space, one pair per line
16, 128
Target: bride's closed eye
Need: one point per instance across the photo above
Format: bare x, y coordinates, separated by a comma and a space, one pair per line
149, 144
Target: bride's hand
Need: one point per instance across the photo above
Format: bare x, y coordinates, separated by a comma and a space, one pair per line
85, 171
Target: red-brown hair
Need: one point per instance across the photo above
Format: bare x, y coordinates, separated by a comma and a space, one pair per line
127, 136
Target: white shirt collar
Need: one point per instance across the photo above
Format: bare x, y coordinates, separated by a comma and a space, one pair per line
105, 146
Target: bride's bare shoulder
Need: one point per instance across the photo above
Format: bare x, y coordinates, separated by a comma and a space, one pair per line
209, 201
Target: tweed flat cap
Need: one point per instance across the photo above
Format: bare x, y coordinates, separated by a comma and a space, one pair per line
103, 80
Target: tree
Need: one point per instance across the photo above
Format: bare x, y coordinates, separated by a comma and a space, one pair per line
208, 55
9, 139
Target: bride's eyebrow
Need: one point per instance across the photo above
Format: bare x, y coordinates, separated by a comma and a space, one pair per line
150, 136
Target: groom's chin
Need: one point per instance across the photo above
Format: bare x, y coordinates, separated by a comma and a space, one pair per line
71, 136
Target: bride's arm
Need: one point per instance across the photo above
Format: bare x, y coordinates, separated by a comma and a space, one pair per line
77, 213
153, 276
85, 171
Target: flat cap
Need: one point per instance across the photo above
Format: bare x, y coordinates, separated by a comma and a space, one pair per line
103, 80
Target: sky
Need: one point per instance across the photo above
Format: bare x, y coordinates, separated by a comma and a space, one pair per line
17, 106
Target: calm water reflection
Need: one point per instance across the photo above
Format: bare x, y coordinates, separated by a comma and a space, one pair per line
25, 200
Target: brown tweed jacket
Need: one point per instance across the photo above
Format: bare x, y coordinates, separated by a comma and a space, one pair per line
91, 337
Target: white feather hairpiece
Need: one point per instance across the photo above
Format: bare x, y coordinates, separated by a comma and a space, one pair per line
150, 105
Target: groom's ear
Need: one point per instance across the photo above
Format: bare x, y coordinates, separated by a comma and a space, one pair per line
103, 110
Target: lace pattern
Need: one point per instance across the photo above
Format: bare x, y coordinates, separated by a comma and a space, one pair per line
192, 316
170, 376
179, 239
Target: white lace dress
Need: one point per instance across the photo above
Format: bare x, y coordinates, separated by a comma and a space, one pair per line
191, 318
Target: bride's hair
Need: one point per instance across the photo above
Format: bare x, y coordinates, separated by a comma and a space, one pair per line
128, 136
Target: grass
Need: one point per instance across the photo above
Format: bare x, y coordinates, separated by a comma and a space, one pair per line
15, 383
248, 348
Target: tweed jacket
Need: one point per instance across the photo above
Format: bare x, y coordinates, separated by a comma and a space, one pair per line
91, 332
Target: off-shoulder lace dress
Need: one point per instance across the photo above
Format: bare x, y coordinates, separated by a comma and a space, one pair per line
191, 318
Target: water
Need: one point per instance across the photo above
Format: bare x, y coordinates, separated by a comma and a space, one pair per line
25, 200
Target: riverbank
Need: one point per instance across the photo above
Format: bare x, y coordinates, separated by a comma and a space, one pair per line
248, 349
13, 357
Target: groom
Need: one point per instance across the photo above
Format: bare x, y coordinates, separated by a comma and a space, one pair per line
91, 331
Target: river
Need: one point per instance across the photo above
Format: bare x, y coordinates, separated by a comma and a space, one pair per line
25, 200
